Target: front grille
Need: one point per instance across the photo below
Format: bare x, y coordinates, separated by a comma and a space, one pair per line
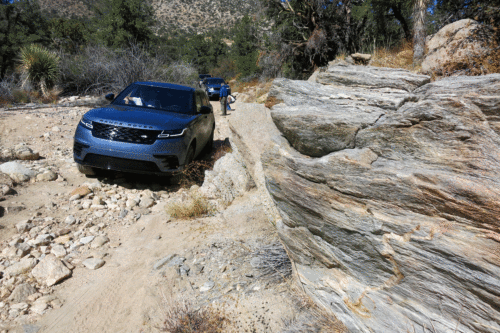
78, 147
116, 163
124, 134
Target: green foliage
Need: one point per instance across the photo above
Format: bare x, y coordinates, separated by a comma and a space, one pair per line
39, 66
21, 23
244, 50
117, 23
68, 34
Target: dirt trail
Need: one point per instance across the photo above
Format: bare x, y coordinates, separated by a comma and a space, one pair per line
128, 294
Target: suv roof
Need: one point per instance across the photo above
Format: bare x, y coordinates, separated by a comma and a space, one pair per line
165, 85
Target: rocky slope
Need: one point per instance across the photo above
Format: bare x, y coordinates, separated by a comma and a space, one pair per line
387, 188
180, 15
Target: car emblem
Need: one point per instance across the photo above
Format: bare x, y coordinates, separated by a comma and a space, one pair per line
144, 136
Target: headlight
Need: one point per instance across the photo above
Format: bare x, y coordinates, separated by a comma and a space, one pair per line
86, 123
210, 89
172, 133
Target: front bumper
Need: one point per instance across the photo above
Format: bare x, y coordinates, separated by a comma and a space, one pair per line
163, 156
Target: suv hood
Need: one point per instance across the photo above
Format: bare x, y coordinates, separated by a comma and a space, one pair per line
135, 117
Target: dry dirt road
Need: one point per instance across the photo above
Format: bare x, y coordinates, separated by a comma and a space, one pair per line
207, 261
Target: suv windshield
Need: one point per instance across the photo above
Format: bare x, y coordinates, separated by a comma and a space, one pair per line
214, 81
159, 98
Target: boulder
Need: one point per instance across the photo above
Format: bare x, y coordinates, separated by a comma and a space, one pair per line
461, 42
50, 270
227, 180
21, 267
371, 77
399, 228
21, 293
16, 168
360, 58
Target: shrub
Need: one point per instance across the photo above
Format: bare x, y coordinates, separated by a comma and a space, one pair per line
272, 262
181, 317
98, 69
39, 66
194, 206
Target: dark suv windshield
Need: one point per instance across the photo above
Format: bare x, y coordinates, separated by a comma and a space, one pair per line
159, 98
214, 81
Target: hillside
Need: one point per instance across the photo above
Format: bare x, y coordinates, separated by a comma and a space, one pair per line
183, 15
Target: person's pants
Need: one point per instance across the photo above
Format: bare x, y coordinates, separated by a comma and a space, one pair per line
223, 105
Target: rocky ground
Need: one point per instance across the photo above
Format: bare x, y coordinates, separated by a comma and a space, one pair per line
101, 254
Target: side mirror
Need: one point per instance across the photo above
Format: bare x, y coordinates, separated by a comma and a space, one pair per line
205, 110
110, 97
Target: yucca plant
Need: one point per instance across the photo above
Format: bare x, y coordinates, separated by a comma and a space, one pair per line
39, 66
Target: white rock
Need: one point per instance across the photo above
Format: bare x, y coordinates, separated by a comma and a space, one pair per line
50, 270
86, 240
93, 263
58, 250
23, 266
15, 167
70, 220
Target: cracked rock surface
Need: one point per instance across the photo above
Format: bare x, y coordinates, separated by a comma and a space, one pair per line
391, 213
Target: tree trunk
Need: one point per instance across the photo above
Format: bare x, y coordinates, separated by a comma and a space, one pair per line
398, 15
419, 13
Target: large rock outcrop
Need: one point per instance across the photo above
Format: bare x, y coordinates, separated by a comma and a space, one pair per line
389, 196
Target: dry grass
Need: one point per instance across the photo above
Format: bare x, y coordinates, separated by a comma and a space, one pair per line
311, 318
398, 57
194, 206
181, 316
272, 101
272, 262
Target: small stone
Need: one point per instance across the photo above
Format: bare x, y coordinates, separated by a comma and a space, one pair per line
123, 213
74, 197
21, 293
100, 213
146, 202
23, 266
58, 250
47, 176
62, 239
207, 286
24, 226
55, 129
70, 220
160, 263
99, 241
93, 263
39, 307
86, 240
42, 240
50, 270
81, 191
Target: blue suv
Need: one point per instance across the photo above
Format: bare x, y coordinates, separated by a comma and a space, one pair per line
212, 86
150, 127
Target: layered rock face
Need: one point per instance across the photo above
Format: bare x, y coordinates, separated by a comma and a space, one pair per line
389, 188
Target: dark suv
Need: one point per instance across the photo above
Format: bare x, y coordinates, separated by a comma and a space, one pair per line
212, 86
151, 127
203, 77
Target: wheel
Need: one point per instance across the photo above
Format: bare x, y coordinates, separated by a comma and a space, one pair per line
86, 170
210, 144
189, 156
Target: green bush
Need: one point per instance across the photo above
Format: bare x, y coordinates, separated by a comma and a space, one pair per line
39, 66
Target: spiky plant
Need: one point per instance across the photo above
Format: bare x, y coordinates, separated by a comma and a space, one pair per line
39, 66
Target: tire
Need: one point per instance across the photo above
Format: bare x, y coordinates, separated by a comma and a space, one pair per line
86, 170
210, 144
189, 156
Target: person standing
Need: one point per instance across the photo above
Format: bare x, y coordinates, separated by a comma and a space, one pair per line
223, 99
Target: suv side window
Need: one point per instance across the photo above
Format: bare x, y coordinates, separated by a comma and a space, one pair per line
205, 100
199, 101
